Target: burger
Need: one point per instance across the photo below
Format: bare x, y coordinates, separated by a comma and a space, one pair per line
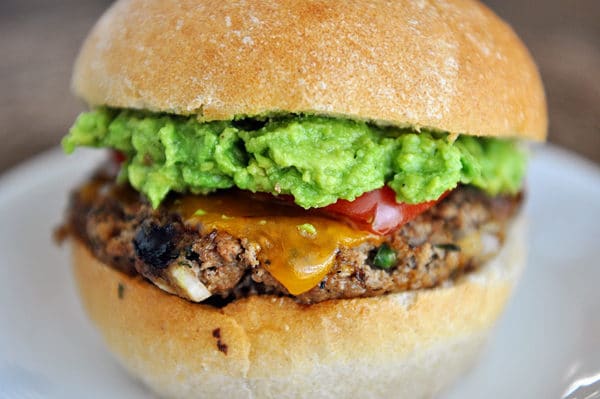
302, 199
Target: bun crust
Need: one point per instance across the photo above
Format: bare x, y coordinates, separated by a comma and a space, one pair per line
448, 65
403, 345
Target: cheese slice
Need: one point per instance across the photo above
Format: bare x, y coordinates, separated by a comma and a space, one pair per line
297, 247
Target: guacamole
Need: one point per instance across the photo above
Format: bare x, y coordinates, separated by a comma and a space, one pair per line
315, 159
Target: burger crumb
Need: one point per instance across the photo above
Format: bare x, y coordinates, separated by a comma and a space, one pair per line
121, 290
61, 233
221, 346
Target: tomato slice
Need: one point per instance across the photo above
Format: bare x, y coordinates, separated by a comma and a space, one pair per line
378, 211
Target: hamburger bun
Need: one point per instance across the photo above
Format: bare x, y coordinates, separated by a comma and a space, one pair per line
454, 67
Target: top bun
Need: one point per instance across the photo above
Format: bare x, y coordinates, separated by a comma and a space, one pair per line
452, 66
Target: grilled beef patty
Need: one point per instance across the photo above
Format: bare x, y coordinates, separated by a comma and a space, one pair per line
122, 230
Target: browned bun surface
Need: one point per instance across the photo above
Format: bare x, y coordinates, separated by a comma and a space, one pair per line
399, 345
449, 65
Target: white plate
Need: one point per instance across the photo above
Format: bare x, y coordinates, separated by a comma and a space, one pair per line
547, 341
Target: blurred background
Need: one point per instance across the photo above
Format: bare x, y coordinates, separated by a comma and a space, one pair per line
40, 38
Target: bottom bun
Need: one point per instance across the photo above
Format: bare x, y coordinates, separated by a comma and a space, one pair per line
407, 345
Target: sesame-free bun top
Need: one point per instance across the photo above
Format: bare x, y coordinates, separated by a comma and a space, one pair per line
452, 65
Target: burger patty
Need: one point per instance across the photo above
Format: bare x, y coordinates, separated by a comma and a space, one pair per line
122, 230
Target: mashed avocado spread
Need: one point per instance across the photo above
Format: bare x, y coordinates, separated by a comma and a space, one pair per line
315, 159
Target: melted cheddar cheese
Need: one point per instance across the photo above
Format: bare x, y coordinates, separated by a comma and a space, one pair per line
297, 247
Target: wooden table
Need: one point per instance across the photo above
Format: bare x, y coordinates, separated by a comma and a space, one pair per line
40, 38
